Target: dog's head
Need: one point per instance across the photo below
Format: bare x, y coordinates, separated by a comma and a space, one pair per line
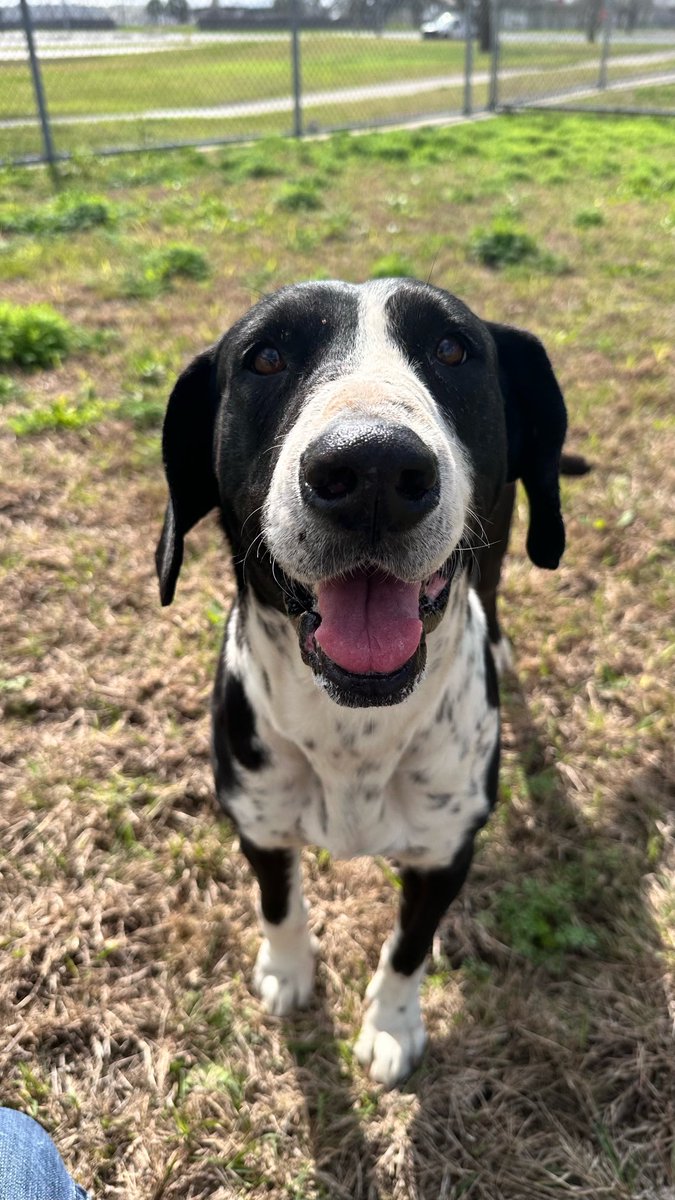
355, 440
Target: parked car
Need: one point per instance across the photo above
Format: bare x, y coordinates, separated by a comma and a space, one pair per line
447, 25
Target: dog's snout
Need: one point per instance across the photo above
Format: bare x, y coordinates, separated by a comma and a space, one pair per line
370, 475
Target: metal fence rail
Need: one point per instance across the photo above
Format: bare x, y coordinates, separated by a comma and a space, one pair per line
72, 80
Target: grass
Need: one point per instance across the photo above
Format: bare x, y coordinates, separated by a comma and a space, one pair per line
127, 919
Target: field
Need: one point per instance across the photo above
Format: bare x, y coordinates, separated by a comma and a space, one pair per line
127, 916
238, 86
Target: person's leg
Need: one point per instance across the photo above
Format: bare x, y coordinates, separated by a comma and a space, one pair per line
30, 1164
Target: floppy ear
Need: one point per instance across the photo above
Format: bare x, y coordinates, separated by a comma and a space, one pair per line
536, 423
187, 450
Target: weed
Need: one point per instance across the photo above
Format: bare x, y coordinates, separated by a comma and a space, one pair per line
587, 218
9, 389
70, 212
33, 336
63, 413
143, 411
392, 266
160, 267
502, 245
152, 369
540, 920
214, 1078
296, 197
181, 260
259, 166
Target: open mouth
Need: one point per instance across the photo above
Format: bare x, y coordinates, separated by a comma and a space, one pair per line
364, 634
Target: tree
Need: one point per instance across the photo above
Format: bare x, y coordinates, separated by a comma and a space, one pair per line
485, 25
178, 11
593, 19
154, 10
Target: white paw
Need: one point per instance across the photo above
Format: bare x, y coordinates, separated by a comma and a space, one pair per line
389, 1054
503, 655
392, 1036
284, 980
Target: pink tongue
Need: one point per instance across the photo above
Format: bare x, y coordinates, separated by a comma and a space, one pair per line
369, 623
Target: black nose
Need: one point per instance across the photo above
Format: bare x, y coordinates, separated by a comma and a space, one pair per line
370, 476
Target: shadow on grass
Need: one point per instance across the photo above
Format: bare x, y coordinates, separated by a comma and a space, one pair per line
556, 1076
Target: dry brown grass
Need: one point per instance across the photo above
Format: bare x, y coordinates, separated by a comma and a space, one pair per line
127, 928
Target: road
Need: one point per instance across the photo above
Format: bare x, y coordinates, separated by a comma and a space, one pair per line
56, 44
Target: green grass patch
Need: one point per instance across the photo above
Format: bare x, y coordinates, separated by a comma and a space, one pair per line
505, 244
63, 413
589, 218
34, 335
540, 919
299, 197
159, 268
391, 266
68, 213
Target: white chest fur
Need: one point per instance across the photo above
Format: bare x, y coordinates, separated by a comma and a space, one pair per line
406, 781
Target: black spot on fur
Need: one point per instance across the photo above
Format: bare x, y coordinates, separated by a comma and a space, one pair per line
419, 777
240, 724
438, 799
445, 711
235, 741
309, 744
369, 728
491, 681
273, 870
266, 682
371, 793
492, 776
270, 630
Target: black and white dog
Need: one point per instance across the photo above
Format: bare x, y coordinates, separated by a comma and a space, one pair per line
356, 441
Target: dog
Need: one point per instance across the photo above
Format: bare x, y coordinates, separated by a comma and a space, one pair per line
361, 444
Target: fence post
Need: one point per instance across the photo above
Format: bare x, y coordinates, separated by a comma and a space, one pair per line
468, 60
493, 98
606, 41
297, 78
49, 155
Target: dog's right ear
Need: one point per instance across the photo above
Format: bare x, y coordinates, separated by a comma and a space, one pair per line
187, 450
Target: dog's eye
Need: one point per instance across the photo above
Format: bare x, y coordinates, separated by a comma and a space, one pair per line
450, 352
266, 360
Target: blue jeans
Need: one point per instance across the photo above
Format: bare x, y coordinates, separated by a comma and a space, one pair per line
30, 1164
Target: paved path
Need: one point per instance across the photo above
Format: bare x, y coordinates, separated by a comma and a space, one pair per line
397, 88
56, 44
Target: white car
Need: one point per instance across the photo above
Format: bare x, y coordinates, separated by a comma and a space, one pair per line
448, 25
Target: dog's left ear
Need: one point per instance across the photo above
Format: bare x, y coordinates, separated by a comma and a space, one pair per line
187, 450
536, 423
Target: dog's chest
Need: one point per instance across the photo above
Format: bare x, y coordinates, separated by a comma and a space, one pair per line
405, 781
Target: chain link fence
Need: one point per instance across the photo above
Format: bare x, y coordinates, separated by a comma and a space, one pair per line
79, 78
600, 55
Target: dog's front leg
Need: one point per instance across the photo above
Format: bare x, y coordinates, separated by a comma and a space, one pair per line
283, 974
392, 1035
